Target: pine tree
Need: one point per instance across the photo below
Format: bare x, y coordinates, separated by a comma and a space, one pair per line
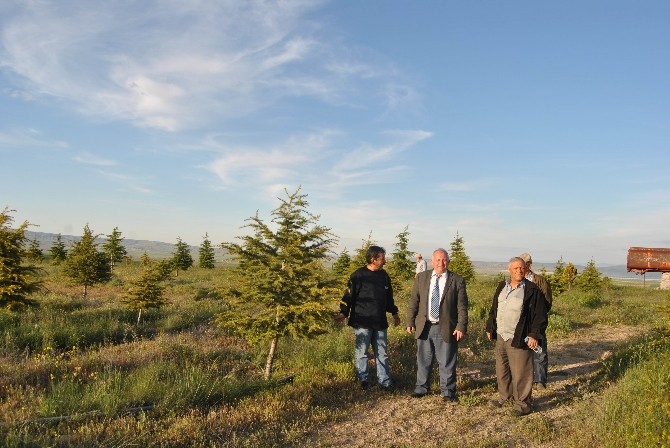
359, 260
401, 267
34, 252
590, 278
569, 275
459, 261
147, 292
283, 288
206, 253
145, 260
114, 248
182, 257
342, 264
556, 280
85, 265
58, 251
17, 281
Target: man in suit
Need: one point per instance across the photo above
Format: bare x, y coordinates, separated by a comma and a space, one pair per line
438, 317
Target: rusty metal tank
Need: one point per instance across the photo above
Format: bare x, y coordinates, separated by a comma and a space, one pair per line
648, 259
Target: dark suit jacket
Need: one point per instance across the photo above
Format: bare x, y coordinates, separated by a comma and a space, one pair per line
453, 305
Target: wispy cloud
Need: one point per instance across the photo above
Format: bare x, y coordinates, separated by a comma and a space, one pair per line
176, 65
127, 182
29, 138
316, 161
91, 159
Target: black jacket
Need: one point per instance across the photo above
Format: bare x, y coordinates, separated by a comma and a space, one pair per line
368, 298
533, 320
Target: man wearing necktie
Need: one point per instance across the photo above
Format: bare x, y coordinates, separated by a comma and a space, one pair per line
438, 317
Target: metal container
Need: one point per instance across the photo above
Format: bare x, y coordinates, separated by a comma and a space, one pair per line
648, 259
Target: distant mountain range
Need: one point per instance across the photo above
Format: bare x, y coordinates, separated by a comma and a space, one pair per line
157, 249
135, 248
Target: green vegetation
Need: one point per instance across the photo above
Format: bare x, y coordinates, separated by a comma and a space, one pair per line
58, 251
460, 262
283, 289
89, 372
114, 248
17, 279
206, 253
85, 265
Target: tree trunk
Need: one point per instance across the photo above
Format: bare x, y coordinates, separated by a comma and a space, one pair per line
139, 316
269, 361
273, 348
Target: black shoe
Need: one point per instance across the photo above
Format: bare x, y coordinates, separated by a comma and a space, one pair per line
364, 385
449, 399
520, 413
418, 394
540, 385
388, 388
497, 403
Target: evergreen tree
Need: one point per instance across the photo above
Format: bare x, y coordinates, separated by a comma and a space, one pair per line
17, 281
182, 257
401, 267
58, 251
283, 288
569, 275
34, 252
145, 260
342, 264
590, 278
358, 261
206, 253
85, 265
555, 279
114, 248
147, 291
459, 261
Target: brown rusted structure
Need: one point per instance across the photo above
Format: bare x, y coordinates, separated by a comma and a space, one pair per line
647, 259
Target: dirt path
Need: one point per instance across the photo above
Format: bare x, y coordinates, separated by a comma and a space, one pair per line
397, 420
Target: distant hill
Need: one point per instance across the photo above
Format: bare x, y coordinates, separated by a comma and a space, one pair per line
157, 249
135, 248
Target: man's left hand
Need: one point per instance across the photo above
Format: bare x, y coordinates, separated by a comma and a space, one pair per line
458, 335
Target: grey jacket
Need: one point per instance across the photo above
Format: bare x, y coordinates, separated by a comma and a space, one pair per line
453, 305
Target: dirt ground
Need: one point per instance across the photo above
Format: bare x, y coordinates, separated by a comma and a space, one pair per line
398, 420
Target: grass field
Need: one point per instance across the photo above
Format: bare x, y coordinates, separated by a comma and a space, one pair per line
77, 372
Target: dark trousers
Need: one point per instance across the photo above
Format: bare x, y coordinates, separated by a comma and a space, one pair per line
431, 345
514, 373
541, 362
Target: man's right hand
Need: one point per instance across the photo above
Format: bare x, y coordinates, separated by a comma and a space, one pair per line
410, 329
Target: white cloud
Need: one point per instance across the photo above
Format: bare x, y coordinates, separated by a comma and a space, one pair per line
176, 65
91, 159
28, 138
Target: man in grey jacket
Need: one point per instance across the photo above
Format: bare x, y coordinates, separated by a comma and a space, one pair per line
438, 317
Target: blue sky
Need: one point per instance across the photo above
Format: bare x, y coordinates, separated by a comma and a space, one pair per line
523, 126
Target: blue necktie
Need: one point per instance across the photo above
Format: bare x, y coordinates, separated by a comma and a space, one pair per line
435, 300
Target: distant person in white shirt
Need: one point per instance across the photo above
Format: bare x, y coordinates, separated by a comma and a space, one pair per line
421, 264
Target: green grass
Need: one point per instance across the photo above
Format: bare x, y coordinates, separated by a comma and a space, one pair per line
89, 360
634, 411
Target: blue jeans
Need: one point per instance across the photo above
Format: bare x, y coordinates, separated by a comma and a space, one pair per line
378, 339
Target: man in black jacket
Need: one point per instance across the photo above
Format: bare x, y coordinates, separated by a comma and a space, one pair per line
368, 298
517, 319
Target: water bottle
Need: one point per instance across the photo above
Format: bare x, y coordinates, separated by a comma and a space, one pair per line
537, 349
